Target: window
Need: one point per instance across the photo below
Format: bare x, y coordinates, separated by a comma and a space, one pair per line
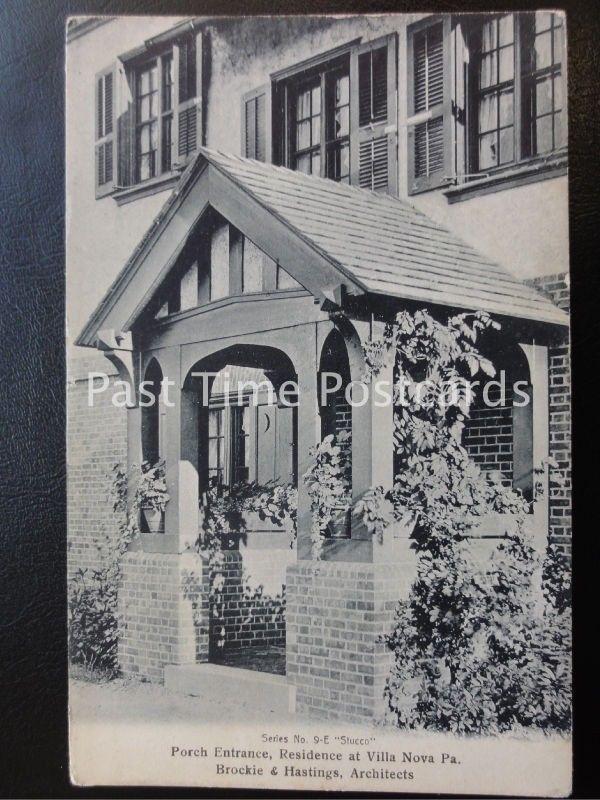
517, 109
240, 451
334, 116
543, 128
216, 445
495, 124
156, 124
146, 122
321, 126
486, 94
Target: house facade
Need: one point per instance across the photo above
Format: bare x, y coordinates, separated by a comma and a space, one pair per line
256, 198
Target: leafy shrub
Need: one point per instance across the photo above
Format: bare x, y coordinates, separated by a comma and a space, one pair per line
93, 621
92, 593
473, 652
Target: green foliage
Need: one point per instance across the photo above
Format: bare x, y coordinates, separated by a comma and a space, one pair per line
92, 593
151, 490
473, 652
328, 481
224, 511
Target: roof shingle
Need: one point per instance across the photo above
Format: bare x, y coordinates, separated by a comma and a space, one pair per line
389, 246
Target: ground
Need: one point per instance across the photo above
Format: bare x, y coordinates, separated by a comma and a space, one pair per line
121, 700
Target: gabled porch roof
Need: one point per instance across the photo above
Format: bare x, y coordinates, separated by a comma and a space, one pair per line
323, 233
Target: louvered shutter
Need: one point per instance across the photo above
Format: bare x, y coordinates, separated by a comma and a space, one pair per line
256, 124
429, 140
188, 87
373, 116
105, 156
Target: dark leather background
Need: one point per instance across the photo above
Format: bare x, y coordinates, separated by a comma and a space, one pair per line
33, 752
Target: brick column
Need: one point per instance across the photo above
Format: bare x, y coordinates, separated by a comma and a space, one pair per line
339, 609
163, 597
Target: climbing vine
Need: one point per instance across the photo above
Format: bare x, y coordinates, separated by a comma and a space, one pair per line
94, 621
472, 650
224, 513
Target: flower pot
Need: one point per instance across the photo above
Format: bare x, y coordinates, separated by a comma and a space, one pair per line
154, 519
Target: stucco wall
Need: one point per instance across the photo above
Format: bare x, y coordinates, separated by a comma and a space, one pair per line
524, 228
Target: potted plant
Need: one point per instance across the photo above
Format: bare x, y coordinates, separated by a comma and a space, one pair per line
152, 495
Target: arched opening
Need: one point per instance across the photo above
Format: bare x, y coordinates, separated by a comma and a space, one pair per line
499, 431
336, 417
151, 413
246, 435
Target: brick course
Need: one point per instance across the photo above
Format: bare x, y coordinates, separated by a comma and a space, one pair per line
163, 602
337, 614
96, 441
244, 617
557, 289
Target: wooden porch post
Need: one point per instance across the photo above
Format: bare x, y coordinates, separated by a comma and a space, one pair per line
537, 357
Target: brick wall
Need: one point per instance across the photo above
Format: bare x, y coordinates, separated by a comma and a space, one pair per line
244, 616
557, 289
488, 434
336, 615
96, 440
163, 601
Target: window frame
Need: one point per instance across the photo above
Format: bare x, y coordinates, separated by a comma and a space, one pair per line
137, 69
321, 75
522, 157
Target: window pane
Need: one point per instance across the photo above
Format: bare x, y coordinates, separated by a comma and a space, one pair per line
342, 90
316, 164
543, 20
167, 88
544, 134
316, 130
342, 123
146, 167
488, 71
507, 140
303, 140
558, 45
507, 64
303, 163
506, 108
214, 453
488, 112
488, 156
214, 419
144, 82
144, 109
559, 131
344, 152
303, 111
558, 98
543, 50
543, 96
506, 29
316, 100
167, 144
489, 35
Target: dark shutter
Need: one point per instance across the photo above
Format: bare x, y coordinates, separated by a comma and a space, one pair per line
104, 148
188, 118
373, 116
256, 124
429, 91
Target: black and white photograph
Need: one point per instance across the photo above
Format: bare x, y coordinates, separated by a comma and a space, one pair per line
319, 402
